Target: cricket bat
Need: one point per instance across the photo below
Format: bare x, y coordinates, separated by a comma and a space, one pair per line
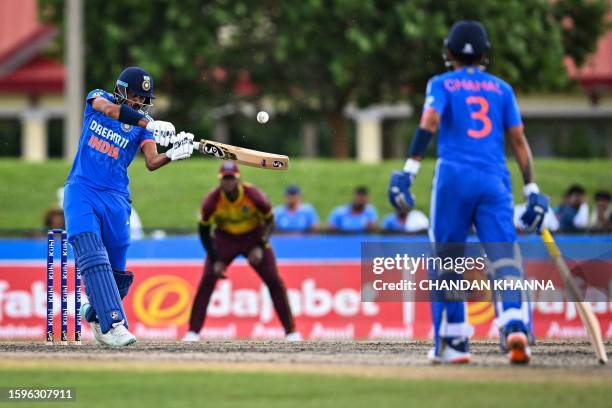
248, 157
588, 318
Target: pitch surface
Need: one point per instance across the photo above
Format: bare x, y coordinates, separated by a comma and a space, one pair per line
575, 356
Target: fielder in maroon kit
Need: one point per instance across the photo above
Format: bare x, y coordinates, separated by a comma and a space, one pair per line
243, 221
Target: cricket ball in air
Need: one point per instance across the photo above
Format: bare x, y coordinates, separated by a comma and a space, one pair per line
262, 117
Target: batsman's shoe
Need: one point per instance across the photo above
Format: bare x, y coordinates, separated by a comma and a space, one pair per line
516, 342
293, 337
191, 337
519, 351
95, 326
452, 351
117, 336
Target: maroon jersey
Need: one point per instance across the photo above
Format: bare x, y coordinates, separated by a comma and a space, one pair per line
238, 217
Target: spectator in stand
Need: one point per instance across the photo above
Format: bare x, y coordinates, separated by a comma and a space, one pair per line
295, 216
601, 219
400, 221
573, 213
136, 231
358, 216
54, 219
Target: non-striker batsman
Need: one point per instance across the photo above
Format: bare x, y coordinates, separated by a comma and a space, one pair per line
473, 111
97, 202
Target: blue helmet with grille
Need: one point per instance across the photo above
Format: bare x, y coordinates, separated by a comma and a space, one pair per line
137, 81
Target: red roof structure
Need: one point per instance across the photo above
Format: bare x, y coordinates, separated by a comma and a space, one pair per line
596, 73
22, 38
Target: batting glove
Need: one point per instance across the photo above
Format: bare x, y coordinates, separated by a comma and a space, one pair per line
182, 147
400, 196
399, 186
162, 131
537, 207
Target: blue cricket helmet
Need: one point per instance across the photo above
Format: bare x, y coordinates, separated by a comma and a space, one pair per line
468, 40
136, 80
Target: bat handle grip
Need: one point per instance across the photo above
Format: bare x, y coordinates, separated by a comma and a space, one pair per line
550, 243
196, 145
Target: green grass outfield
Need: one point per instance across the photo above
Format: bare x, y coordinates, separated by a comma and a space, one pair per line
171, 196
156, 386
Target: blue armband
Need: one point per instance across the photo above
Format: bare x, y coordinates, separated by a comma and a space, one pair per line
420, 141
129, 116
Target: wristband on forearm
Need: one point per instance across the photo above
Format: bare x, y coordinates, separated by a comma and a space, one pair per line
207, 242
129, 116
213, 254
267, 231
420, 141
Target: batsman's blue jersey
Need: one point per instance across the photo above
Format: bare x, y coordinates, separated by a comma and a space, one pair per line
106, 149
96, 194
472, 183
476, 109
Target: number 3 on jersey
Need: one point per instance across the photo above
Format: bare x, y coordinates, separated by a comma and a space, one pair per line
480, 115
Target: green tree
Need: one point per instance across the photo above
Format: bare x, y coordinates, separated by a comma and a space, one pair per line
171, 40
582, 23
317, 56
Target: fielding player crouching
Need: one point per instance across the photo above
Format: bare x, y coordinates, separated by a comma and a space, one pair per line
244, 221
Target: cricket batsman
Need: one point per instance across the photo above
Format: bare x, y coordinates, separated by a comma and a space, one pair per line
472, 112
97, 202
243, 221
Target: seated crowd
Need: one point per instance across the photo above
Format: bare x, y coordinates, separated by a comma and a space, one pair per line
572, 215
356, 216
359, 216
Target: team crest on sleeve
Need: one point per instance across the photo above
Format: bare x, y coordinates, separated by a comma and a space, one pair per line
146, 83
126, 128
428, 102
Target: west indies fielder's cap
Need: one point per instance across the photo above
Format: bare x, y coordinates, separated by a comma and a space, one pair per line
229, 169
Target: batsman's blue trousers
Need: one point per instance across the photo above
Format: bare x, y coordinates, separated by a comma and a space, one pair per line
103, 212
466, 196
